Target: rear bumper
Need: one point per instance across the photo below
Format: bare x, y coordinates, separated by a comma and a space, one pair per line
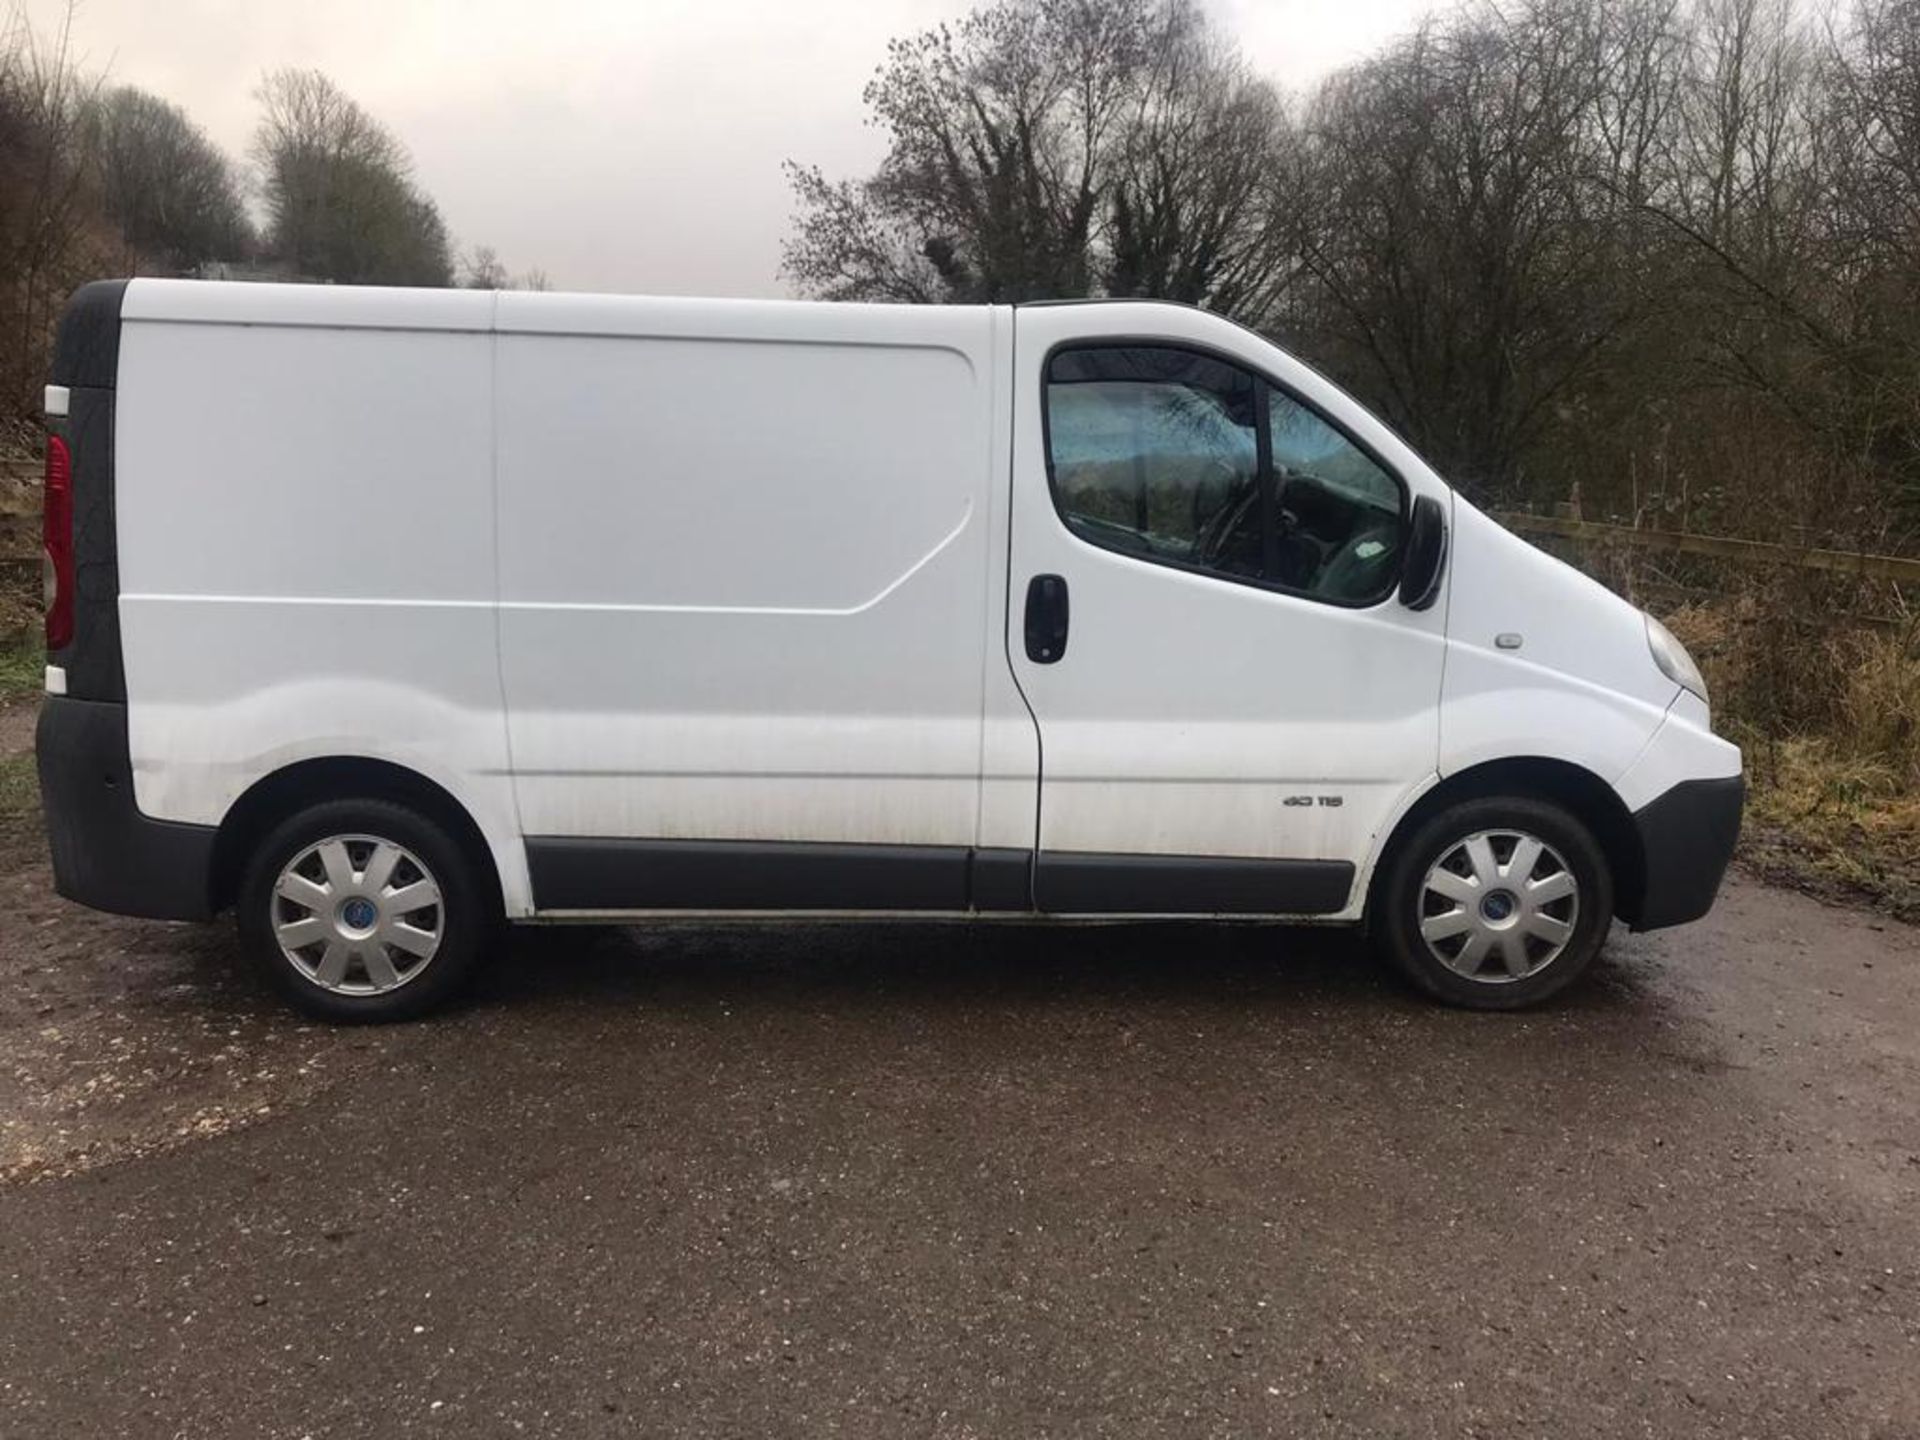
1687, 837
106, 854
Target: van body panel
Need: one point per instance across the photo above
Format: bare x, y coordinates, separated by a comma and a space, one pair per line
1078, 882
1687, 837
744, 574
1193, 715
352, 501
577, 876
1579, 683
1682, 749
200, 735
306, 546
105, 852
321, 307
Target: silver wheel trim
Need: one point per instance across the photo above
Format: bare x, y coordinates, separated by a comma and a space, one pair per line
357, 915
1498, 906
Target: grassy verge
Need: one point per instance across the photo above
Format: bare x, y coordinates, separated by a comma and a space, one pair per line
22, 674
22, 669
1830, 724
1841, 826
19, 800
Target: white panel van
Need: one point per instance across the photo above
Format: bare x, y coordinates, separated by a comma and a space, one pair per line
382, 616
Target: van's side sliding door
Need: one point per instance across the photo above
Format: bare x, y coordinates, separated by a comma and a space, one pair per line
746, 589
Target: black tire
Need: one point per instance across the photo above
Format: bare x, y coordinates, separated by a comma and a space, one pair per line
1400, 903
466, 917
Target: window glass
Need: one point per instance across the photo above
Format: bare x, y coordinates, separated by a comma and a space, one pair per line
1339, 518
1155, 453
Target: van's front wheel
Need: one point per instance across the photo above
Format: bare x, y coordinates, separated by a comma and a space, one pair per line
1496, 903
363, 910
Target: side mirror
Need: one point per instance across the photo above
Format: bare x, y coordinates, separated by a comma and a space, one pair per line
1426, 555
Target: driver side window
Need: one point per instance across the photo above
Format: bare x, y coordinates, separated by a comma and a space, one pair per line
1178, 457
1155, 453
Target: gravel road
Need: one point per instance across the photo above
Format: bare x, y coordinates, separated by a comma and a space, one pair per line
990, 1181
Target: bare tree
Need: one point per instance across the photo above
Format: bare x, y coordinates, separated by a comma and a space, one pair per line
1451, 232
1872, 79
1049, 148
1745, 122
1868, 146
341, 201
52, 235
173, 195
484, 271
1196, 177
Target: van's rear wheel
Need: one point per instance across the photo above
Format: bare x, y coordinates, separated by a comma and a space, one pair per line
363, 910
1496, 903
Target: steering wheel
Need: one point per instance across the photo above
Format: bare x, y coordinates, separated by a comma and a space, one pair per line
1229, 477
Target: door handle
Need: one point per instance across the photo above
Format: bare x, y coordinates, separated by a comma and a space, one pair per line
1046, 619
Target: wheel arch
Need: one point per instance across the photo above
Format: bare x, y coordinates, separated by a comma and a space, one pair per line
1589, 798
272, 798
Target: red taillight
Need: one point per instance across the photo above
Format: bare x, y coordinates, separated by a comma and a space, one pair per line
57, 518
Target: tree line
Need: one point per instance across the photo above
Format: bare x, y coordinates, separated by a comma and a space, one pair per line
99, 179
1659, 258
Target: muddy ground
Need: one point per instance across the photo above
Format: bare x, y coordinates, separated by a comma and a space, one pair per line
990, 1181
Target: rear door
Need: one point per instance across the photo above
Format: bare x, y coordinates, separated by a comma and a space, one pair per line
1205, 545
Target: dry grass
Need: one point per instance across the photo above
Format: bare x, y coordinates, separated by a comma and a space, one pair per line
1830, 722
1836, 823
22, 668
19, 603
1880, 704
19, 799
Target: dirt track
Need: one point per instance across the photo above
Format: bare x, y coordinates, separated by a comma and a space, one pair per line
991, 1181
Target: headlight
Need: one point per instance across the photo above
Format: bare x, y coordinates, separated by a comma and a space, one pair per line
1672, 658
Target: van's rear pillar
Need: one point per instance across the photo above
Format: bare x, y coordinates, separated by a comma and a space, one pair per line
106, 853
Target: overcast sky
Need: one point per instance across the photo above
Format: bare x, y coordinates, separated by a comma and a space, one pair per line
618, 144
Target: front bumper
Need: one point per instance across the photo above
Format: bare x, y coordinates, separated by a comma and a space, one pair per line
1687, 837
106, 854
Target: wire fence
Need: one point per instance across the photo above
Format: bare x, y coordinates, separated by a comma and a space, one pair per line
1670, 569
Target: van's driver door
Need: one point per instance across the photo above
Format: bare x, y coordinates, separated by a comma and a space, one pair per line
1206, 543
